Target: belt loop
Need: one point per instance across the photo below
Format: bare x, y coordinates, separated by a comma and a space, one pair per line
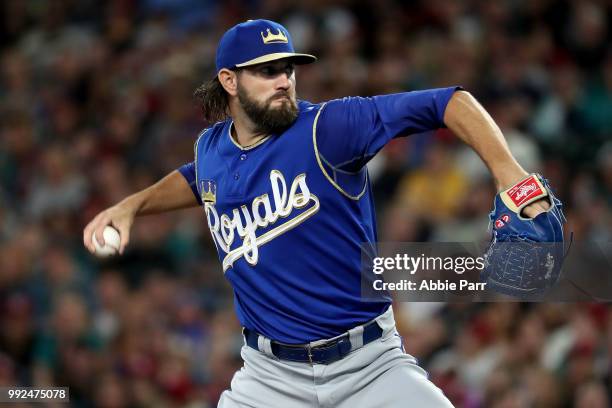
386, 321
309, 349
265, 346
356, 337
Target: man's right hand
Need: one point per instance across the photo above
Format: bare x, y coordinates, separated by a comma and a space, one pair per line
120, 216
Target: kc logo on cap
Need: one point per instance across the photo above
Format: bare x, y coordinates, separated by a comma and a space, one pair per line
255, 42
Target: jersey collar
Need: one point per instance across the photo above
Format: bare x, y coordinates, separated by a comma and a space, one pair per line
244, 148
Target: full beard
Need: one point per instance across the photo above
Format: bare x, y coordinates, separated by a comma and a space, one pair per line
267, 119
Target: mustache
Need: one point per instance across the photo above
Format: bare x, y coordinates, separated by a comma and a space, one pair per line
279, 94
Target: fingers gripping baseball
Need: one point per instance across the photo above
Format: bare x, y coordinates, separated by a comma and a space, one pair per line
116, 217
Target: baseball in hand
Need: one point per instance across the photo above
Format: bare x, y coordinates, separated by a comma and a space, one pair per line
112, 242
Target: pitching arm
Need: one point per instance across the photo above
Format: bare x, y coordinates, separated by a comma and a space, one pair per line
475, 127
173, 192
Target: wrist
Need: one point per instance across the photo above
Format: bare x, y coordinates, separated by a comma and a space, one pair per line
132, 205
509, 177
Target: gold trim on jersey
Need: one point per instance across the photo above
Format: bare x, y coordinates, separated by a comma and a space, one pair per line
331, 180
249, 147
195, 154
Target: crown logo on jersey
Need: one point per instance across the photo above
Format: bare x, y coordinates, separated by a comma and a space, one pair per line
274, 38
208, 191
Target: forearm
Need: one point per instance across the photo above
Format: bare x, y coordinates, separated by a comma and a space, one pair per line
474, 126
170, 193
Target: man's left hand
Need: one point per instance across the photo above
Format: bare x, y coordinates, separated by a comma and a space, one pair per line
536, 208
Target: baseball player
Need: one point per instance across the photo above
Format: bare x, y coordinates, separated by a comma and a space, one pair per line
285, 190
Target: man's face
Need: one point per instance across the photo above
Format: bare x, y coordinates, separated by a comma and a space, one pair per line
266, 92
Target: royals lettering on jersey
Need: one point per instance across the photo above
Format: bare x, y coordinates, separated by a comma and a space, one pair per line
259, 215
288, 216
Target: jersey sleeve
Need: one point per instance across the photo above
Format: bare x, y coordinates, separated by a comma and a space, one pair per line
188, 171
351, 130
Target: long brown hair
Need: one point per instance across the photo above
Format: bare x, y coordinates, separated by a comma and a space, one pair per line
213, 100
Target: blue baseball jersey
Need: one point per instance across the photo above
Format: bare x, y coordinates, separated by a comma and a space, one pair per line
289, 215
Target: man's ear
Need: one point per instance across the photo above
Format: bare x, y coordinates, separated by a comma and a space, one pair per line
229, 81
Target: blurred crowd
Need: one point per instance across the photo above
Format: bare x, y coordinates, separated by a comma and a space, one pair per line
96, 103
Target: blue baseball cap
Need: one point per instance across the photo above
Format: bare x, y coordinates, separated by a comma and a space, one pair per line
254, 42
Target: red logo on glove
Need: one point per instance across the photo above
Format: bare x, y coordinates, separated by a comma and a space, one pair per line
502, 221
525, 191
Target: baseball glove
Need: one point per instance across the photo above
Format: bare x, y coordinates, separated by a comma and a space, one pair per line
525, 255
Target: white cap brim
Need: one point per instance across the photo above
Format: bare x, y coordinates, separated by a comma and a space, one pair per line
300, 59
